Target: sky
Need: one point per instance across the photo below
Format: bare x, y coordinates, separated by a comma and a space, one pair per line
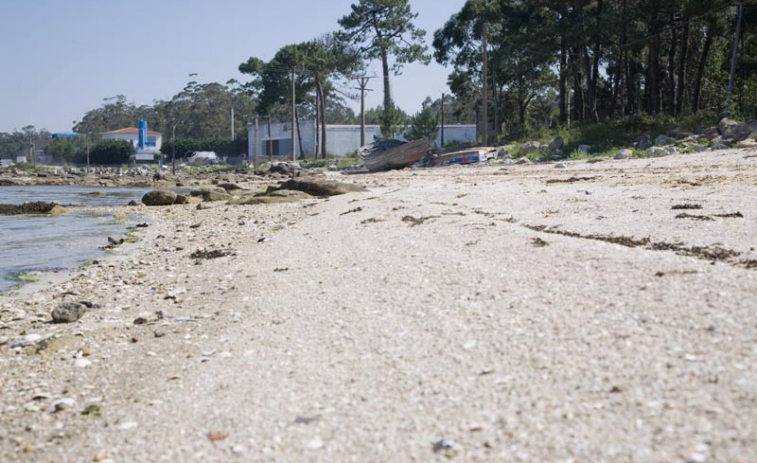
61, 58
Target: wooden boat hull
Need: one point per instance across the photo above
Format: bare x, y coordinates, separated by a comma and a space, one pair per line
396, 158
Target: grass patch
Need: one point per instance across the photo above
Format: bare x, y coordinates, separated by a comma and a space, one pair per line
92, 410
27, 276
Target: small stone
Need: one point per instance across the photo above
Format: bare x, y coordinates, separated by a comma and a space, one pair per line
560, 165
115, 241
82, 363
4, 340
63, 404
315, 444
68, 313
698, 457
126, 425
27, 340
447, 447
238, 449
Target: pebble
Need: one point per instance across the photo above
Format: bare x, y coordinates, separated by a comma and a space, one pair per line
315, 443
63, 404
560, 165
68, 313
27, 340
126, 425
4, 340
82, 363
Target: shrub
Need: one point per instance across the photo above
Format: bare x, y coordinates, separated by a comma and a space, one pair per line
111, 152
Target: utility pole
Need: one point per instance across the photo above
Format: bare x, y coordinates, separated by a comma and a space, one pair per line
87, 140
257, 146
173, 146
232, 124
485, 89
270, 142
294, 118
442, 120
733, 61
363, 88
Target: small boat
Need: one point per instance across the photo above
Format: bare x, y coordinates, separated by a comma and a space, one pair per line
465, 157
393, 154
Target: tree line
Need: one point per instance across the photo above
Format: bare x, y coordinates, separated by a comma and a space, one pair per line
594, 60
549, 63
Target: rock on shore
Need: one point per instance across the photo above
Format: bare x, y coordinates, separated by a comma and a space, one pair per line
38, 207
159, 198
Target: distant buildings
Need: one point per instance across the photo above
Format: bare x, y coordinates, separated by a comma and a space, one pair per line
341, 140
131, 134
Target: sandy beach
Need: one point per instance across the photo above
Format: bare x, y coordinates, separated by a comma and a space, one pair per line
604, 312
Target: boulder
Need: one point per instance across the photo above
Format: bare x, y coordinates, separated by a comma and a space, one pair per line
255, 200
523, 160
529, 148
159, 198
624, 154
642, 143
679, 134
720, 144
740, 132
210, 196
230, 186
37, 207
133, 203
181, 199
289, 194
320, 187
711, 133
663, 140
556, 144
204, 190
285, 169
726, 124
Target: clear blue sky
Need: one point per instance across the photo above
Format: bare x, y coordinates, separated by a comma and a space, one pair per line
60, 58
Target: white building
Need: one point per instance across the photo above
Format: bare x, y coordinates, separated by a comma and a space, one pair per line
341, 140
131, 134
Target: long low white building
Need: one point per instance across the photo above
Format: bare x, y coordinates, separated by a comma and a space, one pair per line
341, 140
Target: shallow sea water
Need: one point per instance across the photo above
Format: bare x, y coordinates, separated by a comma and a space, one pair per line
30, 243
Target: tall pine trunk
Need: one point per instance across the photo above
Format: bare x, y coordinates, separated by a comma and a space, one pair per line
695, 103
563, 80
682, 64
671, 90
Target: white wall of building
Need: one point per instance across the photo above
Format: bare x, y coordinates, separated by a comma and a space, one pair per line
341, 140
134, 139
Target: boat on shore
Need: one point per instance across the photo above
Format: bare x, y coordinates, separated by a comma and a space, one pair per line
393, 154
468, 156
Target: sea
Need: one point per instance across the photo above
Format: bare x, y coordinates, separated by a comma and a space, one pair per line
39, 243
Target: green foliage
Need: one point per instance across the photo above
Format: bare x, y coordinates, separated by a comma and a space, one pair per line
385, 28
392, 121
425, 124
111, 152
